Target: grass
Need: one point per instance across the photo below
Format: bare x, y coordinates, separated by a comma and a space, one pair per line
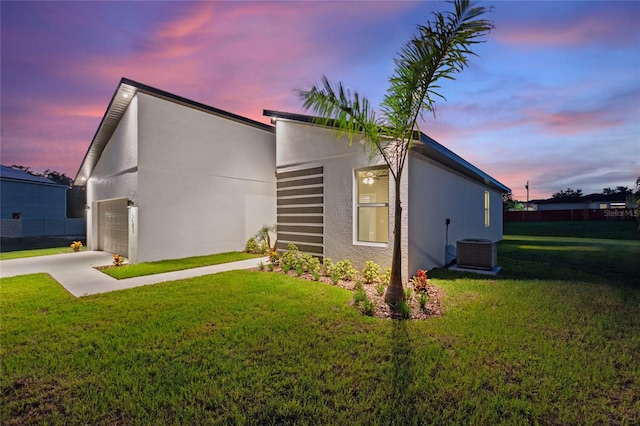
542, 343
609, 229
151, 268
37, 252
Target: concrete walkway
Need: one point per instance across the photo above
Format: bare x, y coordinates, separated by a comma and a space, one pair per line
76, 273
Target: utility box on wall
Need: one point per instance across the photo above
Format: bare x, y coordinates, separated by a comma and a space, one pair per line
477, 253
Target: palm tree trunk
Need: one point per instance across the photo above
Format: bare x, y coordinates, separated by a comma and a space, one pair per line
395, 292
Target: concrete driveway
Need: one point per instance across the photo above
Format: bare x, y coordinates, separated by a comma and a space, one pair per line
76, 273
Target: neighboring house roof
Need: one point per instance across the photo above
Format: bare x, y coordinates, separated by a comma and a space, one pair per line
585, 199
120, 100
426, 146
17, 175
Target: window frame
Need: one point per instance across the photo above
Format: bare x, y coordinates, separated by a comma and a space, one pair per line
357, 205
487, 209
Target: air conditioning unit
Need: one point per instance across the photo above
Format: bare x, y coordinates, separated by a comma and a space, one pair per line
477, 254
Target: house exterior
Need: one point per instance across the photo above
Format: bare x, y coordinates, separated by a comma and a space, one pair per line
585, 202
333, 201
32, 205
168, 177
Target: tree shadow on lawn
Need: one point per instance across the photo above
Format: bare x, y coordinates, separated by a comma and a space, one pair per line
400, 406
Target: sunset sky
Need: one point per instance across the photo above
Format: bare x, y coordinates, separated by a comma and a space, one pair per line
553, 96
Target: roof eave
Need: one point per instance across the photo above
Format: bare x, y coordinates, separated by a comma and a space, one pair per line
122, 97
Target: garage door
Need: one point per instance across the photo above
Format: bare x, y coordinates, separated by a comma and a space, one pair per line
113, 231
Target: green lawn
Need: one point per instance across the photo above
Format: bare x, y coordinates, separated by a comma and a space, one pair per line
159, 267
546, 342
611, 229
37, 252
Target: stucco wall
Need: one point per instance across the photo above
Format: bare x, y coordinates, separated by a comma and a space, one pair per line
438, 193
205, 184
115, 174
302, 144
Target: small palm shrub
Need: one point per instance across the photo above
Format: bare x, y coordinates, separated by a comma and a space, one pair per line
76, 246
372, 273
380, 289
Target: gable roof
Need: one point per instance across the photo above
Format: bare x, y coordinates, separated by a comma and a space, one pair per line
9, 173
125, 92
426, 146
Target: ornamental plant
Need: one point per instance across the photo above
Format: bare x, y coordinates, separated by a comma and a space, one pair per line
420, 280
117, 260
76, 246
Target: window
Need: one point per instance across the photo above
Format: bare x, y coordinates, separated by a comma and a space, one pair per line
487, 212
372, 205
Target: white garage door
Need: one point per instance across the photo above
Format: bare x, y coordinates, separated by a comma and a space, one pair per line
113, 231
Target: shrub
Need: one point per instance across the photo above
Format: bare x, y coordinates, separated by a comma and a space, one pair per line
117, 260
264, 248
327, 265
76, 245
252, 246
386, 276
261, 266
420, 280
371, 272
380, 288
310, 264
290, 258
344, 270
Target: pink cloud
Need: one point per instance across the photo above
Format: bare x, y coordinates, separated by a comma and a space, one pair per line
618, 26
571, 122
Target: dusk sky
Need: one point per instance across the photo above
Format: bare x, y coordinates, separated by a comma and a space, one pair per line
553, 96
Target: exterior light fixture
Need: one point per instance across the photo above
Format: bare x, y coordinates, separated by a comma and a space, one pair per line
130, 203
87, 207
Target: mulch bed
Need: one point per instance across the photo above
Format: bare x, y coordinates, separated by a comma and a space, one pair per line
433, 307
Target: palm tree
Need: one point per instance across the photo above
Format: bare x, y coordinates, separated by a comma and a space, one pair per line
438, 50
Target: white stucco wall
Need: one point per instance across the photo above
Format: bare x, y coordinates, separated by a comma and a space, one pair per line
205, 183
115, 174
302, 144
438, 193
